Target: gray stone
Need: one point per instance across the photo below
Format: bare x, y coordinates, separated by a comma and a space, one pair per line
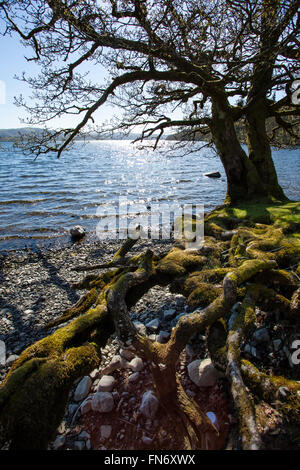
77, 233
103, 402
203, 373
105, 431
106, 383
189, 351
261, 335
163, 336
149, 404
277, 344
79, 445
136, 365
86, 405
88, 444
169, 314
152, 337
83, 388
12, 358
140, 327
153, 325
59, 442
127, 354
84, 435
133, 378
114, 364
94, 374
147, 440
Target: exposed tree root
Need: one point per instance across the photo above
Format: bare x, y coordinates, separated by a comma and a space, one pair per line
252, 269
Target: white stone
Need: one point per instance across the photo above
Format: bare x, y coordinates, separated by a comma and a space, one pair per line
106, 383
136, 365
140, 327
105, 431
12, 358
114, 364
103, 402
149, 404
203, 373
83, 388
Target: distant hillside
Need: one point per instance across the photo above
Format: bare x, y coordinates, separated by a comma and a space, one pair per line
282, 138
12, 135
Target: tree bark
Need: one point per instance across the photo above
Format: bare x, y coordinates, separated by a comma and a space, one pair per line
243, 180
260, 153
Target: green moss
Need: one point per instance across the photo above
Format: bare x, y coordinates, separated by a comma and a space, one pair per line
203, 295
266, 387
178, 262
34, 411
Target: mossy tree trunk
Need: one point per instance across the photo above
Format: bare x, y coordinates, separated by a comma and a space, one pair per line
260, 153
243, 180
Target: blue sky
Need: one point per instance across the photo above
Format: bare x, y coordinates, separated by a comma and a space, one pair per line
13, 61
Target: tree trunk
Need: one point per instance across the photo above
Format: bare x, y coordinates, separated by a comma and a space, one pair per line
260, 151
243, 180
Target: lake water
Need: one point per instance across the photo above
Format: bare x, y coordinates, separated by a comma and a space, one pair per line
41, 200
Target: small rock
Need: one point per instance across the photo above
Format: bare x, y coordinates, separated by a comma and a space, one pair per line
84, 435
86, 405
28, 312
152, 337
114, 364
213, 419
189, 351
79, 445
127, 354
169, 314
94, 373
106, 383
149, 404
203, 373
153, 325
59, 442
214, 174
134, 378
136, 365
102, 402
77, 233
261, 335
140, 327
83, 388
12, 358
277, 344
105, 431
147, 440
163, 336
